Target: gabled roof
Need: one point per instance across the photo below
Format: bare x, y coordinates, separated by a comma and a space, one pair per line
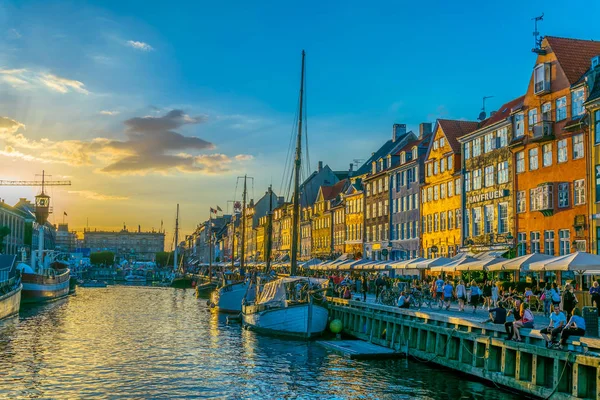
453, 129
331, 192
382, 152
417, 142
595, 90
573, 55
503, 112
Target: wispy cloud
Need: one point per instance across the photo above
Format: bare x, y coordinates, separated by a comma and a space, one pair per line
89, 194
23, 79
139, 45
14, 34
107, 112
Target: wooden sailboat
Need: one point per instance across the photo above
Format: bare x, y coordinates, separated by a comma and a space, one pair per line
290, 306
180, 279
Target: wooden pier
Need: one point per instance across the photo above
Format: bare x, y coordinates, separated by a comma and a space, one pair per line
478, 349
359, 350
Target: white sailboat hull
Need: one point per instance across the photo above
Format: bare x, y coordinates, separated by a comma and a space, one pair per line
229, 298
10, 302
302, 320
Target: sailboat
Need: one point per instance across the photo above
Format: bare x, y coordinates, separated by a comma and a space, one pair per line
204, 290
180, 279
294, 305
10, 287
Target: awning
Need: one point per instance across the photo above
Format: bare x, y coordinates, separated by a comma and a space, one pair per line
579, 262
519, 263
482, 264
430, 263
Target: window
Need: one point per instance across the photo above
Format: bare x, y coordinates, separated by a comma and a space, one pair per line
457, 189
564, 242
442, 141
468, 181
488, 216
443, 191
520, 162
450, 162
457, 217
429, 193
436, 222
429, 169
379, 209
533, 159
563, 195
429, 223
541, 198
467, 232
490, 142
489, 176
532, 118
502, 217
578, 146
410, 175
467, 150
503, 172
435, 145
477, 147
562, 150
442, 165
541, 78
577, 103
477, 179
549, 243
368, 189
386, 207
561, 108
519, 125
450, 219
522, 243
380, 184
436, 192
450, 188
547, 112
502, 137
443, 221
476, 221
535, 242
386, 183
547, 155
521, 205
579, 192
596, 127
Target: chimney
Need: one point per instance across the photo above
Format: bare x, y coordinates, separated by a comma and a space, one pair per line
320, 166
424, 129
139, 228
351, 167
398, 130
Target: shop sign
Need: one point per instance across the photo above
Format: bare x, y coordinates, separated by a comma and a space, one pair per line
376, 246
495, 194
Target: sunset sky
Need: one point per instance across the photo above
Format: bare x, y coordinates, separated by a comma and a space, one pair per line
145, 104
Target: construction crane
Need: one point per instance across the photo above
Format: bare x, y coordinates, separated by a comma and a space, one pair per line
42, 209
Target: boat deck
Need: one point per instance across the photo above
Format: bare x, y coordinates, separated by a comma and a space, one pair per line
358, 349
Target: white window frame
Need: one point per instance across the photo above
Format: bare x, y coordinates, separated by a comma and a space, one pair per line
533, 159
578, 149
562, 152
547, 154
502, 217
579, 192
503, 172
549, 243
520, 157
521, 202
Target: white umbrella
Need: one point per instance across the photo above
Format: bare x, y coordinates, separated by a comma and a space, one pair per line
521, 263
579, 262
401, 264
430, 262
452, 264
479, 264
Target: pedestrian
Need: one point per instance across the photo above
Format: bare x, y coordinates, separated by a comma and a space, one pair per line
526, 321
516, 313
448, 290
569, 300
494, 294
554, 295
487, 294
475, 295
547, 298
558, 321
379, 283
461, 295
439, 291
364, 286
575, 327
595, 292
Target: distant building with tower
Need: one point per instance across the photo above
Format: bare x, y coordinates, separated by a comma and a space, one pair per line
125, 244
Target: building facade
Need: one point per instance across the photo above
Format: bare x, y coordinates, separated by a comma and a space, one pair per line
354, 199
65, 240
592, 105
15, 220
125, 244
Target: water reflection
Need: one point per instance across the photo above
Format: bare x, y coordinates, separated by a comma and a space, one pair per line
141, 342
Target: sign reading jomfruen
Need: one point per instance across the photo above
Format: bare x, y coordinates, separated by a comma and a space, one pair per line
495, 194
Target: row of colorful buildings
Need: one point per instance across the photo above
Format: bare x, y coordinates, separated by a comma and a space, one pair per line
524, 179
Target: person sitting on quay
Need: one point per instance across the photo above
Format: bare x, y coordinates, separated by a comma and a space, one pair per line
497, 315
525, 322
516, 313
403, 300
556, 325
575, 327
569, 301
448, 292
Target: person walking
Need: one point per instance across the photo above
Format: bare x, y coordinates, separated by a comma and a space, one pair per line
595, 292
461, 295
569, 300
487, 294
547, 297
364, 286
575, 327
448, 291
556, 325
379, 284
475, 295
494, 294
439, 291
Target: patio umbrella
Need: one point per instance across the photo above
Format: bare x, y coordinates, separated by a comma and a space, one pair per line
579, 262
430, 263
452, 264
521, 263
482, 264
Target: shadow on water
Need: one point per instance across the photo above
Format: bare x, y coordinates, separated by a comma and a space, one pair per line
145, 342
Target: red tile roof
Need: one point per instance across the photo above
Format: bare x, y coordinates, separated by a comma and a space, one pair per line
413, 143
453, 129
503, 112
573, 55
331, 192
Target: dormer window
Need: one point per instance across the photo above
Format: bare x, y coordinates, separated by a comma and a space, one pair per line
415, 152
374, 167
577, 103
402, 158
381, 165
442, 142
541, 78
595, 61
435, 145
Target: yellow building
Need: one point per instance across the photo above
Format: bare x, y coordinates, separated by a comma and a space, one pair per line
286, 229
441, 215
261, 238
354, 221
593, 107
322, 219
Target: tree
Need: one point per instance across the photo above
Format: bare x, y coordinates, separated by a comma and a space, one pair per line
4, 232
163, 257
106, 258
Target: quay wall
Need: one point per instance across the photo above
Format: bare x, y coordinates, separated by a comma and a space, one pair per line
477, 349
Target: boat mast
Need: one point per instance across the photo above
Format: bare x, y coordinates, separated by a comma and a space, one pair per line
209, 230
233, 240
242, 260
269, 230
296, 209
176, 240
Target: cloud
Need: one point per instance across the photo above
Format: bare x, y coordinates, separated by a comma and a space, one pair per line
106, 112
139, 45
23, 79
89, 194
151, 145
14, 34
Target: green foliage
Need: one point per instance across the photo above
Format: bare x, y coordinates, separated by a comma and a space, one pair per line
28, 240
106, 258
162, 258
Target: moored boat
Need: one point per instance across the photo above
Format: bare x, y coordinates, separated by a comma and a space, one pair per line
228, 298
46, 285
10, 287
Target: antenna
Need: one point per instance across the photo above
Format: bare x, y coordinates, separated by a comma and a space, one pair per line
482, 113
537, 41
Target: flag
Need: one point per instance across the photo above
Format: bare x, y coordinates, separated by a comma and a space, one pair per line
65, 213
213, 211
219, 209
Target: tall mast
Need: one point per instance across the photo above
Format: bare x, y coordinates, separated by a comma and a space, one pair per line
176, 240
242, 261
298, 161
209, 230
233, 240
269, 230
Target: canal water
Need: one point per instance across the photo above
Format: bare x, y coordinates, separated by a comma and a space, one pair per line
141, 342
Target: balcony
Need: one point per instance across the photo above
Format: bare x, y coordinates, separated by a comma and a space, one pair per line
543, 130
541, 76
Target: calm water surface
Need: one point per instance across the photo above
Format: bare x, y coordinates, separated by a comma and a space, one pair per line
137, 342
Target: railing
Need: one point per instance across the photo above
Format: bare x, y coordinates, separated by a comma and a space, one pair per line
543, 130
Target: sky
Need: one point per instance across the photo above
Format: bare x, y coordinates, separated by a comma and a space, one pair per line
146, 104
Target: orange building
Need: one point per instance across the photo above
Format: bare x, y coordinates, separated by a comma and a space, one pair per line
551, 149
